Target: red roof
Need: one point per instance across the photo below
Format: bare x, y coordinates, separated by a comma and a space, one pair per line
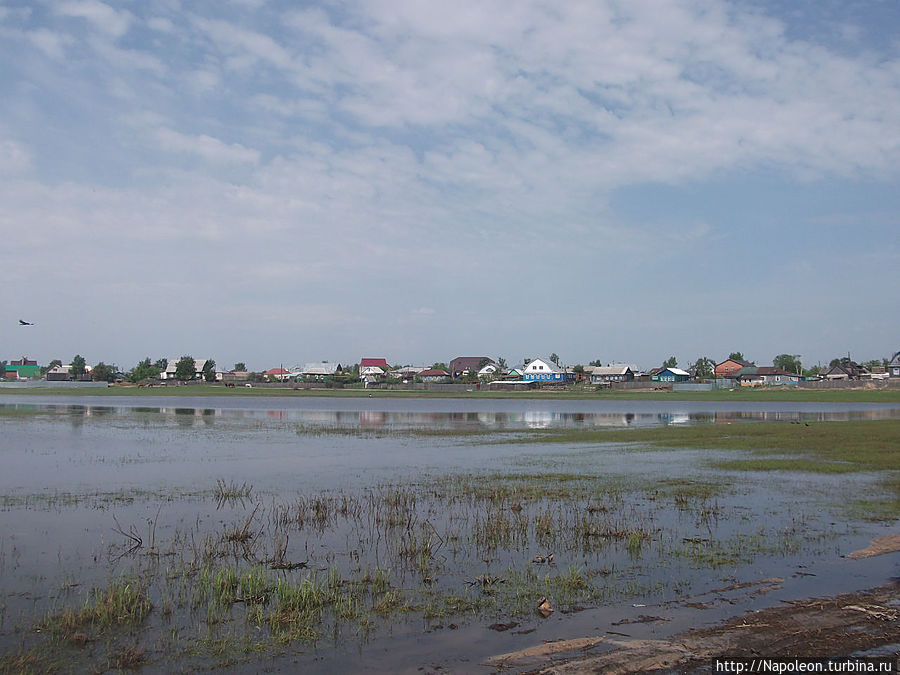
381, 363
434, 372
277, 371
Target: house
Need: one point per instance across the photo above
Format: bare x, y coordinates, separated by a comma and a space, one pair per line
59, 374
22, 369
489, 370
671, 375
321, 371
894, 365
172, 364
464, 365
846, 370
514, 373
544, 370
408, 373
729, 367
374, 363
434, 375
767, 376
279, 374
604, 374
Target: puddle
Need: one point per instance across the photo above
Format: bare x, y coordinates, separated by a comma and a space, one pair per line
434, 539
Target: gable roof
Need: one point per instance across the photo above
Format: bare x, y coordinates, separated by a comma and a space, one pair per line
380, 363
608, 370
552, 367
740, 362
434, 372
675, 371
320, 368
462, 363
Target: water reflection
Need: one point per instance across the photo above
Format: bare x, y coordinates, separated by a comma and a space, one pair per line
537, 418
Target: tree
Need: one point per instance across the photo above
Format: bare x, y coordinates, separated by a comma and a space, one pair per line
670, 362
597, 363
704, 367
578, 369
240, 367
501, 363
161, 365
49, 366
184, 369
555, 358
440, 365
736, 356
209, 370
103, 373
485, 361
789, 362
78, 366
144, 370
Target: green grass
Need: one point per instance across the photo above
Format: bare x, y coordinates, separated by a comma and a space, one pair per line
886, 395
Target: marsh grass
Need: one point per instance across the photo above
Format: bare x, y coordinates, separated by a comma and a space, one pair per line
460, 547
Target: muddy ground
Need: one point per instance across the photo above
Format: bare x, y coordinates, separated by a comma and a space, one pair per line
847, 624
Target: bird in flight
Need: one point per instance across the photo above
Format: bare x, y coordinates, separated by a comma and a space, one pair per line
22, 322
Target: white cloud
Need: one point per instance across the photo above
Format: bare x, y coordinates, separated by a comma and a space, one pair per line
100, 15
14, 158
206, 147
51, 43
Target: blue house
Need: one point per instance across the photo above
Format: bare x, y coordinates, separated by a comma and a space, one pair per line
544, 370
671, 375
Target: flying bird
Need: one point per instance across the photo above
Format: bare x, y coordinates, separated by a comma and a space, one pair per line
22, 322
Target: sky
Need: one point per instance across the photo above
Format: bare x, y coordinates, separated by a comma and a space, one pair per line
283, 182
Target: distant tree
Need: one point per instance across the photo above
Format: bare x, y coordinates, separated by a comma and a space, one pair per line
184, 369
144, 370
736, 356
812, 372
704, 367
578, 369
103, 373
872, 364
240, 366
161, 365
596, 363
527, 360
789, 362
209, 370
50, 366
440, 365
555, 358
670, 362
485, 361
501, 362
78, 366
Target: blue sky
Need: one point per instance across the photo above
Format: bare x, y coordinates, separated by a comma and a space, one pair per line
281, 182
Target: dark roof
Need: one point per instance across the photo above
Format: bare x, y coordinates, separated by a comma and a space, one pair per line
772, 370
461, 363
743, 363
434, 372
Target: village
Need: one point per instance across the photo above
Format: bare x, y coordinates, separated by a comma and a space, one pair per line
460, 372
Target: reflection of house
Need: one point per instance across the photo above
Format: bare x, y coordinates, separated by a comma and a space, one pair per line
730, 367
321, 371
894, 365
468, 364
671, 375
544, 370
602, 374
434, 375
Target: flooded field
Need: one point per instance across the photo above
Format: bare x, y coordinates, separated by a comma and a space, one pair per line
409, 535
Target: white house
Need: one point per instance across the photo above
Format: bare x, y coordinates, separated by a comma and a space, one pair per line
169, 372
321, 371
